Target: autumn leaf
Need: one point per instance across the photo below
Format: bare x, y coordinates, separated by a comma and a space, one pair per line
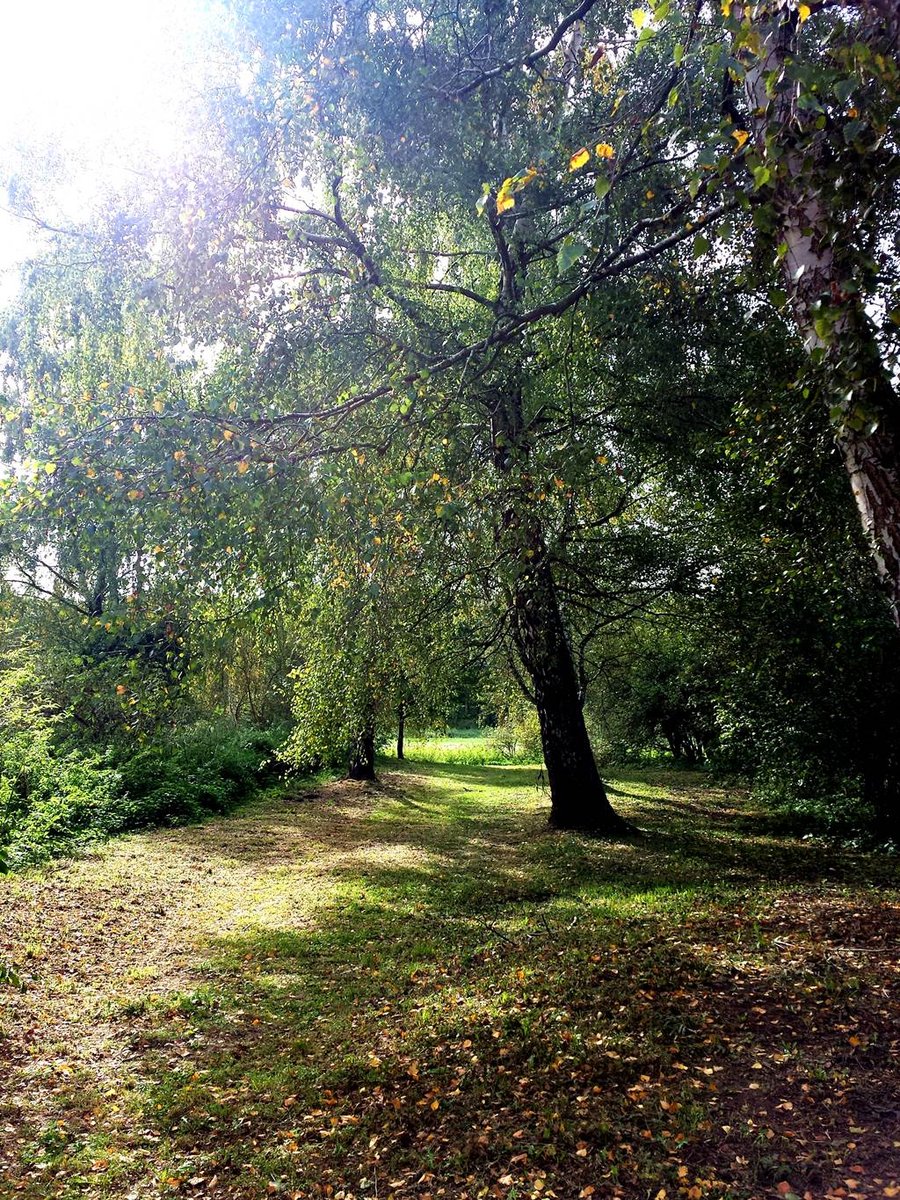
740, 136
505, 198
803, 12
604, 150
579, 158
515, 183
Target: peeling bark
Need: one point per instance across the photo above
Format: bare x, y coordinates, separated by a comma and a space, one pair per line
819, 282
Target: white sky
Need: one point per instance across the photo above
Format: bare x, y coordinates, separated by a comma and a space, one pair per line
95, 88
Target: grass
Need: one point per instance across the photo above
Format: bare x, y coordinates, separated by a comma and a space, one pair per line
416, 990
466, 747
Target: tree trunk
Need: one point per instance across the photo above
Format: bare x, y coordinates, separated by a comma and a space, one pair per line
401, 728
823, 288
578, 799
362, 755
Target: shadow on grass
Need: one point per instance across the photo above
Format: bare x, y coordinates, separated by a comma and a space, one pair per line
518, 1004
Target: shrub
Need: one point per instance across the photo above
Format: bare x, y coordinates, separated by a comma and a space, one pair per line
210, 767
56, 795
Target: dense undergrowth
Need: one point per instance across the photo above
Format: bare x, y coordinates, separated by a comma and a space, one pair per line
56, 794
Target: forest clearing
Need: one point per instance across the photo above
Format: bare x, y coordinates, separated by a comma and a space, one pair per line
414, 989
450, 600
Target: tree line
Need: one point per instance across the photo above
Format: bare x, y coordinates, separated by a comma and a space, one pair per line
483, 348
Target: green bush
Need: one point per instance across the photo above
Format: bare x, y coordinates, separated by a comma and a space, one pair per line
50, 802
50, 794
210, 767
56, 795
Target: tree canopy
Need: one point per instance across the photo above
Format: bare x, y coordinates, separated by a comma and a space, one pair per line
484, 334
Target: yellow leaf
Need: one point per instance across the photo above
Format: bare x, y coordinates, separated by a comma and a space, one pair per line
243, 467
134, 494
121, 689
178, 455
740, 136
91, 473
505, 198
227, 434
803, 11
577, 161
604, 150
159, 405
49, 468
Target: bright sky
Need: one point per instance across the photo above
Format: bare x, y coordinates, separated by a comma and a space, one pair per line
97, 88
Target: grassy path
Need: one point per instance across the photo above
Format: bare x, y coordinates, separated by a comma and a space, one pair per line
418, 991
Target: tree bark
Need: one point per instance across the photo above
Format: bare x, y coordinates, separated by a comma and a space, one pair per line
401, 728
578, 799
823, 293
362, 755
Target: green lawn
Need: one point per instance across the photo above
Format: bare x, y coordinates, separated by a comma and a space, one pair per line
468, 747
417, 990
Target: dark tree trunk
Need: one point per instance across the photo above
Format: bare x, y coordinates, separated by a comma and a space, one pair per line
578, 798
362, 755
401, 728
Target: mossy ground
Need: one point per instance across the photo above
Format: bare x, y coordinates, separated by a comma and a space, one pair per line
417, 990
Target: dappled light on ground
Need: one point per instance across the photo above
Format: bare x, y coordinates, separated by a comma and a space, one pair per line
418, 990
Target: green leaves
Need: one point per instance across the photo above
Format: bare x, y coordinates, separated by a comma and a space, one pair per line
761, 176
569, 253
